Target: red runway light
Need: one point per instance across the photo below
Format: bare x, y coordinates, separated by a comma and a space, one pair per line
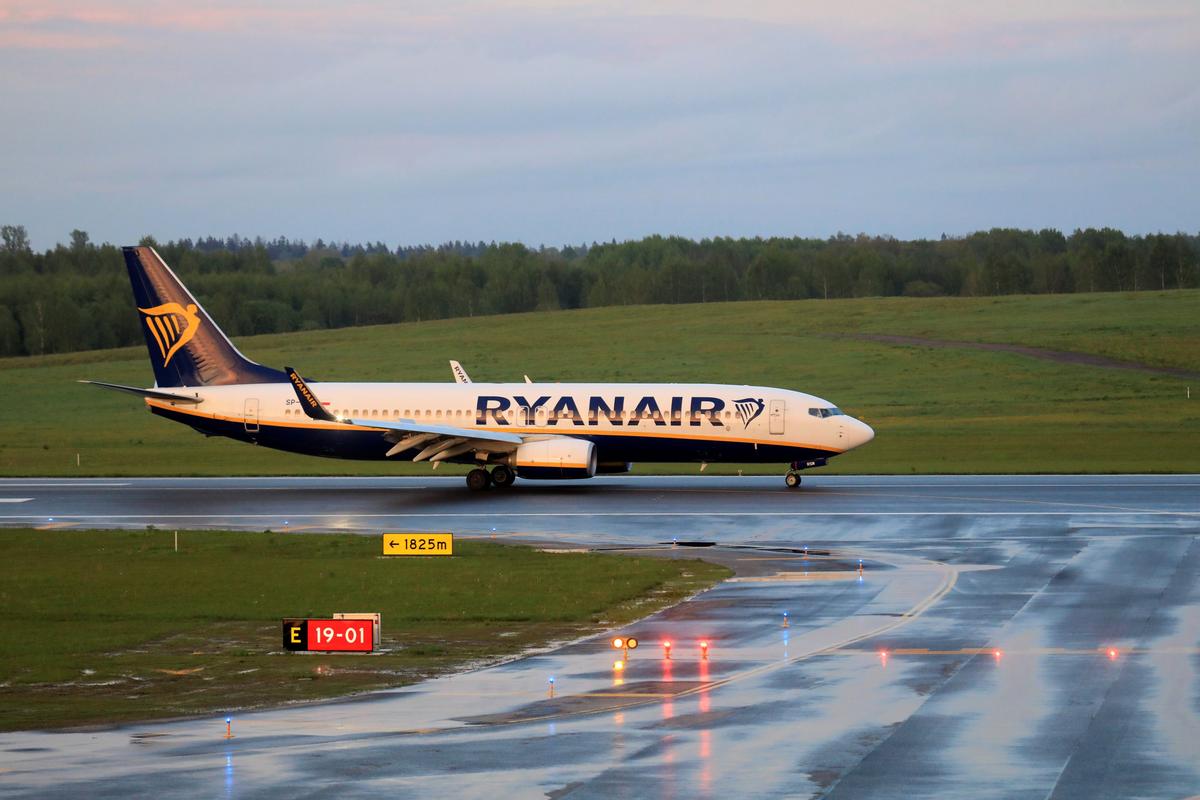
998, 654
704, 649
1112, 654
666, 649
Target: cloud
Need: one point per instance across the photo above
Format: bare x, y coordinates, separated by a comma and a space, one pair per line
418, 119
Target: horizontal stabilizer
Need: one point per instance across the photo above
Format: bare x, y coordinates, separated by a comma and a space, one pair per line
157, 394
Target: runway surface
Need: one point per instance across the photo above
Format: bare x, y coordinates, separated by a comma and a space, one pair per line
1010, 637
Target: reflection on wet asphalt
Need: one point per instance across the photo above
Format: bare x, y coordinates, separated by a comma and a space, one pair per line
1009, 637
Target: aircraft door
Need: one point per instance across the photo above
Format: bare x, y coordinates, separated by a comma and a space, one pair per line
776, 416
251, 415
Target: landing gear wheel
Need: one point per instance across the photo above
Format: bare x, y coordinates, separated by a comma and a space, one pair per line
478, 480
503, 476
792, 480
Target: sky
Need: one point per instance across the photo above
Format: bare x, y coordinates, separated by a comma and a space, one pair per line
567, 122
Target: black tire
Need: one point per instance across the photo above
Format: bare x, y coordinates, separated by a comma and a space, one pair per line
503, 476
792, 480
478, 480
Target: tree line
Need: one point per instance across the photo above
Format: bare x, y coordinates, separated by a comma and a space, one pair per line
76, 296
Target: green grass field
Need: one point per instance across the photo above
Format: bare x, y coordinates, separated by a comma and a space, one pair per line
104, 626
934, 409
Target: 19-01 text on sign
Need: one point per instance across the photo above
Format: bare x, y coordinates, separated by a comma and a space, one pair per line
328, 635
418, 544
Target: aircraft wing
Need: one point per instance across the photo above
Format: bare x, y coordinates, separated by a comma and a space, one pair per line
412, 426
438, 442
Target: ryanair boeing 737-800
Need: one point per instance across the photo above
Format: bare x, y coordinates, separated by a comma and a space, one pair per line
531, 430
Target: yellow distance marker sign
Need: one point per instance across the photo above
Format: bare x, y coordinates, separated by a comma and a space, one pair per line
418, 544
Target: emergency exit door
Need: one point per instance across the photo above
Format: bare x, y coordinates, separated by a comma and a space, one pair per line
776, 417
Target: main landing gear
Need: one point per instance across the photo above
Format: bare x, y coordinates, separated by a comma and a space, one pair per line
501, 477
792, 479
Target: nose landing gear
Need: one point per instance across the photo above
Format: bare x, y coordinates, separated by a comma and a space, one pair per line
792, 479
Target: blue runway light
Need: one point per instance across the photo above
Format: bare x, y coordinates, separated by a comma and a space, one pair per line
228, 720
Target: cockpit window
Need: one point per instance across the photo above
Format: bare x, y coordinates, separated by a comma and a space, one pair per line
826, 412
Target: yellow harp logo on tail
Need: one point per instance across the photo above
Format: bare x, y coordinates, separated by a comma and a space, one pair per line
171, 326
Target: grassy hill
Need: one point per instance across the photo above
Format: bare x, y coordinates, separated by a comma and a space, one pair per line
935, 409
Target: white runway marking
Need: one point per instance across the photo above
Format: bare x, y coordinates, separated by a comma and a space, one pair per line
15, 499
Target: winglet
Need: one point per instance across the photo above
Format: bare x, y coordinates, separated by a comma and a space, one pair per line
308, 401
460, 374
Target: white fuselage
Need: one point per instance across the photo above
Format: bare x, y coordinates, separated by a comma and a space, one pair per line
628, 422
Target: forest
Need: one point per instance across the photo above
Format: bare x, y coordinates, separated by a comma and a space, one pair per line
76, 296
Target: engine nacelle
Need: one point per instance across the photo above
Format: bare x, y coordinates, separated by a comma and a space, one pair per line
555, 459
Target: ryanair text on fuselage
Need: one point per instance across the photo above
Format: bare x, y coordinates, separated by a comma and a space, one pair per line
566, 409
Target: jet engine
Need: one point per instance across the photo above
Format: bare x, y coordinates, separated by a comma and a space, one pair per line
555, 459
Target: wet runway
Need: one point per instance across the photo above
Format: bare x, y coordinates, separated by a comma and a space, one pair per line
1009, 637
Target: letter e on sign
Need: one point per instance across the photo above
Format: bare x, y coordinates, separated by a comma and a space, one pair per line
295, 634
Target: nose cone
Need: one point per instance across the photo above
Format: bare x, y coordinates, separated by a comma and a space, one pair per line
858, 433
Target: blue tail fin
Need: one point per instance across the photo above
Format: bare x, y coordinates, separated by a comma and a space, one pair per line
186, 346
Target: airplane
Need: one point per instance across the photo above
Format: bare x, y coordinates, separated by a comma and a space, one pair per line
526, 430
